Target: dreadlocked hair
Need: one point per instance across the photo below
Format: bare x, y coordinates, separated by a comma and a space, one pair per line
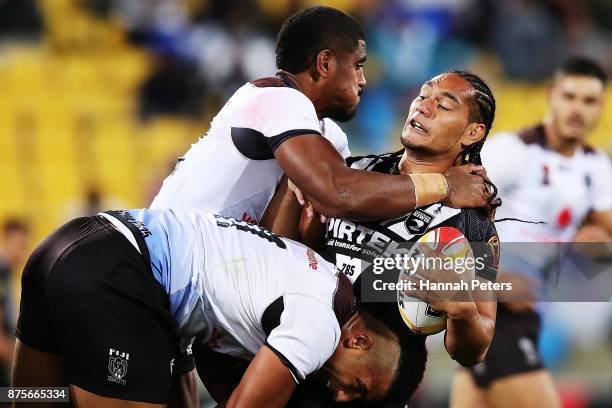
482, 111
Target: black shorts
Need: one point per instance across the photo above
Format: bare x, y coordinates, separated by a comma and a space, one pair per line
514, 349
90, 297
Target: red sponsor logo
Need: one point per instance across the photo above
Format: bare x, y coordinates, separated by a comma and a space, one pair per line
248, 219
312, 259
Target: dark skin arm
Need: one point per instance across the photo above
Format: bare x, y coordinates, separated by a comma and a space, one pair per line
267, 382
282, 216
334, 189
603, 219
184, 391
469, 331
285, 216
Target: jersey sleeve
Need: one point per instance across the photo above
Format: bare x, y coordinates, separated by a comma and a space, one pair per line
480, 231
602, 183
282, 113
337, 137
306, 337
501, 157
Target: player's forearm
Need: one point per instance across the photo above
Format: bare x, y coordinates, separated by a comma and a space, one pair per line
282, 216
184, 391
266, 383
362, 196
468, 335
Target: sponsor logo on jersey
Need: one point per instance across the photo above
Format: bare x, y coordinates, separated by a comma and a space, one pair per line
312, 259
140, 226
248, 219
418, 222
117, 366
493, 245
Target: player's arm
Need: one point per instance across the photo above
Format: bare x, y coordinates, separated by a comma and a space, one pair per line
267, 382
184, 391
471, 315
285, 216
334, 189
470, 325
469, 330
282, 216
602, 219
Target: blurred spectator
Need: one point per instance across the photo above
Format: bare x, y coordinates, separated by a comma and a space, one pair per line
92, 202
13, 252
171, 88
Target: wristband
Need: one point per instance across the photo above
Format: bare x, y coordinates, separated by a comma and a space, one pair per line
429, 188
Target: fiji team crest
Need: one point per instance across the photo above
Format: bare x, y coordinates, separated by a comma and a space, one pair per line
117, 366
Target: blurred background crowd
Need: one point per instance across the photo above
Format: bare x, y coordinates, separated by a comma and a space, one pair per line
99, 97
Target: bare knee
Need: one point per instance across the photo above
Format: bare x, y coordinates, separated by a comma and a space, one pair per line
465, 393
532, 389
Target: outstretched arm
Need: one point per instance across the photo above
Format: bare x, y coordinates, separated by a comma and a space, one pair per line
267, 382
334, 189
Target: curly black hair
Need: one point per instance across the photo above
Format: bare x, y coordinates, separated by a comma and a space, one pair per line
308, 32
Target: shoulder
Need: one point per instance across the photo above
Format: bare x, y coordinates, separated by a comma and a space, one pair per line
593, 153
502, 141
332, 128
277, 93
334, 133
375, 162
477, 226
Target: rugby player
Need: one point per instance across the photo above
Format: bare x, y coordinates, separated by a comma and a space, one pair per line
563, 182
446, 126
107, 300
284, 125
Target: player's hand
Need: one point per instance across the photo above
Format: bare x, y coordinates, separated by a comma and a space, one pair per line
467, 187
439, 273
310, 210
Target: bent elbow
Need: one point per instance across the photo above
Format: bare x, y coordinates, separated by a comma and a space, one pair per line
471, 357
469, 361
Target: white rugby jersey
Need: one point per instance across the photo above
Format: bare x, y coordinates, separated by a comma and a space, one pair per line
238, 286
537, 184
231, 170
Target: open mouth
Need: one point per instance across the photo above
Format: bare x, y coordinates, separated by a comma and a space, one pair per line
416, 125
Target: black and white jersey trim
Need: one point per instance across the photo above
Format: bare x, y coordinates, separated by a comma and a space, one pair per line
253, 145
286, 362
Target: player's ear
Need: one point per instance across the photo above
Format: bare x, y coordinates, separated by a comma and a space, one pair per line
474, 133
358, 341
324, 60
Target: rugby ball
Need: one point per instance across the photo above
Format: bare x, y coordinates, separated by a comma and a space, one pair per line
443, 242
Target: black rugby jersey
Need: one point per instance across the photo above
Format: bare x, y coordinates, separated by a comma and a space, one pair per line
351, 244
